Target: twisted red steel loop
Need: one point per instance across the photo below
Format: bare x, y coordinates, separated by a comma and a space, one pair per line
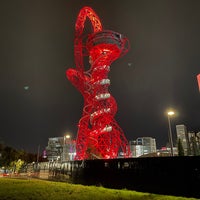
84, 13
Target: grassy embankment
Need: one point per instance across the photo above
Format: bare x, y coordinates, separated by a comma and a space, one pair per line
20, 189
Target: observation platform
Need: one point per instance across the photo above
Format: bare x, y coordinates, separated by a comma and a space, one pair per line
107, 41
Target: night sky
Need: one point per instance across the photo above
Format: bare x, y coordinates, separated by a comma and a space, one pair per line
159, 72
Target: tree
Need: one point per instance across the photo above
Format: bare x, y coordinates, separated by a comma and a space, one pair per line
16, 165
180, 148
11, 158
8, 155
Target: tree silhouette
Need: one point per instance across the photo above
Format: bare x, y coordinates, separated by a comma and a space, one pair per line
180, 148
10, 157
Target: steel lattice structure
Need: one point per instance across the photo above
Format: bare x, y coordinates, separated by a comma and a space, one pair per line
99, 135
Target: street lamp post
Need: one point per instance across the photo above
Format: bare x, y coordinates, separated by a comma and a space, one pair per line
169, 114
66, 141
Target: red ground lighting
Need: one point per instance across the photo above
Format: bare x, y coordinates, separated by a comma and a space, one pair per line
99, 135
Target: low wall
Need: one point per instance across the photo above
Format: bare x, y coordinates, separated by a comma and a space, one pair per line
179, 176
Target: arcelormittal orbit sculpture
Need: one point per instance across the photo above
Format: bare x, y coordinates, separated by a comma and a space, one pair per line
99, 135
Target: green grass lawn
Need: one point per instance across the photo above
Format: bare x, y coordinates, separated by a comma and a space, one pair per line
40, 189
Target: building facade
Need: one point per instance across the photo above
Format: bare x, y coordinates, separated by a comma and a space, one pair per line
194, 143
143, 146
54, 149
182, 134
189, 139
61, 149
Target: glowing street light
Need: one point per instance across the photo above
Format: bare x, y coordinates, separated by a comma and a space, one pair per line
67, 136
169, 114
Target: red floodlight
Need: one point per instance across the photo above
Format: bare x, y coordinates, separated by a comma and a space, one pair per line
99, 135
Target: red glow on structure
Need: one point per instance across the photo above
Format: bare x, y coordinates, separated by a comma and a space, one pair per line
198, 80
99, 135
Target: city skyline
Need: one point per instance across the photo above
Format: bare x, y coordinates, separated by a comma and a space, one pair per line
159, 72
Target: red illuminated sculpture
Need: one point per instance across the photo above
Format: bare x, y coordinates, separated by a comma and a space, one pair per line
99, 135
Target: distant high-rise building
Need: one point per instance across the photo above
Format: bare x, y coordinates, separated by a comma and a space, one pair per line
143, 146
61, 149
136, 149
69, 148
55, 148
198, 135
198, 141
194, 143
190, 136
148, 143
133, 148
182, 134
